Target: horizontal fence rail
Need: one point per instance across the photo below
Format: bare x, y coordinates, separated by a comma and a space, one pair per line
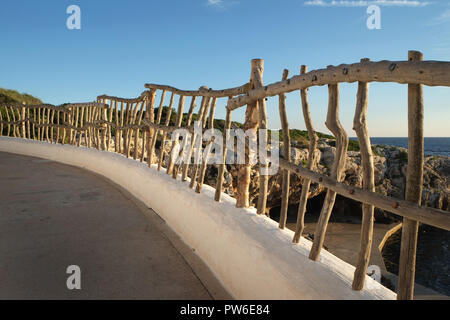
139, 129
430, 73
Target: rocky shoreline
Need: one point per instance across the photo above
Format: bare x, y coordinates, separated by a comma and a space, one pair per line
390, 178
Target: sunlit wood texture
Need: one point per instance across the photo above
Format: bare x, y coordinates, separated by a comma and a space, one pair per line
34, 124
186, 143
52, 116
39, 123
197, 141
263, 163
47, 127
9, 120
286, 155
23, 117
434, 217
13, 116
430, 73
120, 136
137, 132
1, 122
334, 125
80, 124
362, 132
313, 141
126, 130
131, 121
72, 132
174, 140
414, 183
219, 185
158, 121
193, 142
58, 132
28, 123
203, 91
150, 116
176, 167
207, 151
163, 140
116, 139
86, 118
65, 122
252, 117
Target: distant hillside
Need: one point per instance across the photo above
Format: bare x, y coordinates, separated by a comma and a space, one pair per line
12, 96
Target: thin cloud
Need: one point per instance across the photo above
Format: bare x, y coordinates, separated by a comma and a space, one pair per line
221, 4
218, 3
365, 3
442, 18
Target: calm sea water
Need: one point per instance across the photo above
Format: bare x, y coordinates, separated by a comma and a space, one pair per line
433, 146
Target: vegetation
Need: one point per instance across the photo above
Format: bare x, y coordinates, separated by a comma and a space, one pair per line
298, 137
402, 157
12, 96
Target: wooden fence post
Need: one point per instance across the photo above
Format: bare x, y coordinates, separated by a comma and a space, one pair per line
150, 116
286, 155
338, 131
164, 134
263, 165
226, 131
414, 181
28, 124
207, 150
313, 141
23, 117
155, 135
251, 122
1, 123
179, 120
362, 132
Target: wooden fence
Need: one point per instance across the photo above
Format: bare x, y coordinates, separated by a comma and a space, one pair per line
134, 129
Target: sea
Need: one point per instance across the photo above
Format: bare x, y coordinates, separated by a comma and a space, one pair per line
433, 146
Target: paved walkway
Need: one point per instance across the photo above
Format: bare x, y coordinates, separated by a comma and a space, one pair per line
53, 216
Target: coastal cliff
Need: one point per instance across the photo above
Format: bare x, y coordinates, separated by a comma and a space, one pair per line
390, 178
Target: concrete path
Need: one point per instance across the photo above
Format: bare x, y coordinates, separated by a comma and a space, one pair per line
53, 216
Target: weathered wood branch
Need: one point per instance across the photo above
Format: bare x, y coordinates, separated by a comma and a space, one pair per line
362, 132
313, 141
124, 100
252, 119
430, 73
414, 183
203, 91
431, 216
338, 131
286, 154
219, 185
208, 148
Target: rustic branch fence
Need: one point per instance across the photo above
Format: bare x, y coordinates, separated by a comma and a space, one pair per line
131, 125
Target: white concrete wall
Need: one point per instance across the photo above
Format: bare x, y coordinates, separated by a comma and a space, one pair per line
248, 253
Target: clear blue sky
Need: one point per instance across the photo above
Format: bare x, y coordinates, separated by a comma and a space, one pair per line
189, 43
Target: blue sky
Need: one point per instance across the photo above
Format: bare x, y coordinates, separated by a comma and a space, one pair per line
190, 43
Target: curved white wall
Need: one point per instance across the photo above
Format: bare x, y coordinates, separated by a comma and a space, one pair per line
247, 252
